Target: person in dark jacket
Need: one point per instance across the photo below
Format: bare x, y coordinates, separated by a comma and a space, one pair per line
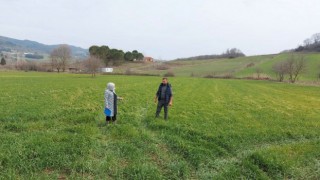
164, 97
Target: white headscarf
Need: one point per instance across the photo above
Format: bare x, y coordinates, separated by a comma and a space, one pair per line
111, 87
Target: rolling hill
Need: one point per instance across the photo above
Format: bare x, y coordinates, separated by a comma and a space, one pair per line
242, 67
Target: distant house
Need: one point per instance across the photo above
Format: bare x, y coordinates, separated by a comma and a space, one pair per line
148, 59
73, 69
106, 69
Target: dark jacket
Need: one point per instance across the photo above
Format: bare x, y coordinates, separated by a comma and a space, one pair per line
115, 108
168, 93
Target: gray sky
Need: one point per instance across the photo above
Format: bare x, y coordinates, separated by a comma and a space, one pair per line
164, 29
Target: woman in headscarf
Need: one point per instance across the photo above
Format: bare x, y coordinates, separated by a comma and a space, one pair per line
111, 98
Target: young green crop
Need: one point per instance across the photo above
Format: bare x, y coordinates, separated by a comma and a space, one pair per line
53, 126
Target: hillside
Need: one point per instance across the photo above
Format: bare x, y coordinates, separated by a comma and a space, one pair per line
241, 67
10, 44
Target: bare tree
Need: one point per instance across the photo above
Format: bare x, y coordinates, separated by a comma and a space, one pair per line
307, 42
290, 63
54, 61
79, 64
295, 67
258, 71
280, 69
315, 38
60, 57
92, 64
27, 65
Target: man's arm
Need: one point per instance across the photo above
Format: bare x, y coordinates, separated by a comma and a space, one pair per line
157, 95
155, 98
171, 97
170, 102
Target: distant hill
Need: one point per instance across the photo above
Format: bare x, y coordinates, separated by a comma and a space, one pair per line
10, 44
241, 67
245, 66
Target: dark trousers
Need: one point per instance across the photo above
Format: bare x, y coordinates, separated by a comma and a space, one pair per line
162, 103
113, 118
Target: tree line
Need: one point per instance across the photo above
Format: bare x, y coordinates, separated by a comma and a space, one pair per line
34, 56
114, 56
311, 44
106, 56
99, 56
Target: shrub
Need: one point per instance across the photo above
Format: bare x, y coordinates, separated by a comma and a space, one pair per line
250, 65
209, 76
128, 71
169, 74
228, 76
131, 74
162, 67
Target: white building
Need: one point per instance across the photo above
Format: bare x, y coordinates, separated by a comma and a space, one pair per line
106, 69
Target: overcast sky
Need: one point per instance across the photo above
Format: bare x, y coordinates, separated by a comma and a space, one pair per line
164, 29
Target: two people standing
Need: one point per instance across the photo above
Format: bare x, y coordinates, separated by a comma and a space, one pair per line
163, 96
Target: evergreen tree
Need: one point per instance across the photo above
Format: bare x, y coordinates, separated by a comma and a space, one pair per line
3, 61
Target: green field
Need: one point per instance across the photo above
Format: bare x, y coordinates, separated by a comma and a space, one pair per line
52, 126
237, 67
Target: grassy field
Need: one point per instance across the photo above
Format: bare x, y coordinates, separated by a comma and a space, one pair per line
237, 67
52, 126
265, 64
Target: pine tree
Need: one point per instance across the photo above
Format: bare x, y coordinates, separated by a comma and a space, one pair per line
3, 61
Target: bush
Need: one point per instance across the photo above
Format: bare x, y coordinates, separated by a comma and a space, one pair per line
131, 74
223, 76
209, 76
128, 71
228, 76
169, 74
254, 77
31, 66
250, 65
162, 67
